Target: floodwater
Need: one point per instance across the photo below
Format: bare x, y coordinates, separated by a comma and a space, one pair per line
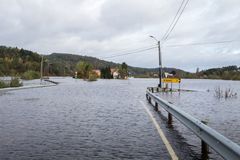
221, 114
105, 120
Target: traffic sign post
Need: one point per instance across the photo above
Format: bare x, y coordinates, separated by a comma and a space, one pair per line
172, 80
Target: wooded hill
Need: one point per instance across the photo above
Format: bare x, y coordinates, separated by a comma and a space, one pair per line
21, 62
15, 61
227, 73
64, 64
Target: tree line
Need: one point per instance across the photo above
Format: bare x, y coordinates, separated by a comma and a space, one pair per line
226, 73
18, 62
26, 64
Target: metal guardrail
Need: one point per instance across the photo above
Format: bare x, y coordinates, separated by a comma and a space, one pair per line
47, 80
225, 147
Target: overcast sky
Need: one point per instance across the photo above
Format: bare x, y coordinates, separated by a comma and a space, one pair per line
102, 28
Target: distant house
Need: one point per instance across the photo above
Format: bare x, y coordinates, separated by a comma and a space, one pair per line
168, 75
155, 75
98, 72
115, 73
113, 70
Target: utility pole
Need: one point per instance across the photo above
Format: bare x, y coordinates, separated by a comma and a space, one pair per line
160, 61
160, 65
41, 69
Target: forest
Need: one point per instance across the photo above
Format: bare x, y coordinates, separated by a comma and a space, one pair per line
19, 62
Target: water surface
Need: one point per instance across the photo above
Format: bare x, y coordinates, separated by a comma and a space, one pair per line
105, 120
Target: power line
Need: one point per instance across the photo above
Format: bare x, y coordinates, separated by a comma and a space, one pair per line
128, 49
166, 37
128, 53
173, 20
201, 43
130, 46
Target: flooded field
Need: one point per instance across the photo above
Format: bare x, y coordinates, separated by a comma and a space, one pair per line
105, 120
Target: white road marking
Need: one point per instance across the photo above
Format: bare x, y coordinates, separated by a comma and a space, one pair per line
161, 134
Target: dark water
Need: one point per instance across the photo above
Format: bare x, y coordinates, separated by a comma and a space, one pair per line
105, 120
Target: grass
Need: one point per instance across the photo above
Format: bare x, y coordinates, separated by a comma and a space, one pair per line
224, 93
28, 75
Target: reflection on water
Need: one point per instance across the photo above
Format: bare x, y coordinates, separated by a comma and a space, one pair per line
104, 120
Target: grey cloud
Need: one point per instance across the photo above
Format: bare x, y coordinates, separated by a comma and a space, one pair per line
100, 27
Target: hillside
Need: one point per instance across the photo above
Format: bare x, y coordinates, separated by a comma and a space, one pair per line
227, 73
64, 64
15, 61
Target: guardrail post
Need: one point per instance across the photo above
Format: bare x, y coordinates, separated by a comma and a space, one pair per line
152, 89
169, 118
149, 100
210, 138
205, 147
156, 106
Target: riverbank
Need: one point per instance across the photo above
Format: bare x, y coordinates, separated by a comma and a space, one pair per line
26, 87
31, 84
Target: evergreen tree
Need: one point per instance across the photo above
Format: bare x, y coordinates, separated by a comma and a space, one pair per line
106, 73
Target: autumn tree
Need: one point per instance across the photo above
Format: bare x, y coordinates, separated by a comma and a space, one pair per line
123, 70
83, 69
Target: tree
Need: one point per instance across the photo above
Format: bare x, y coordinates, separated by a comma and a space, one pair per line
106, 73
17, 61
92, 76
83, 69
123, 71
173, 73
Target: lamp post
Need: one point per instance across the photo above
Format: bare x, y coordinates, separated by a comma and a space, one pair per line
160, 61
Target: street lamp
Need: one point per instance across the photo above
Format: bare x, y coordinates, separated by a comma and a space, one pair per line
160, 61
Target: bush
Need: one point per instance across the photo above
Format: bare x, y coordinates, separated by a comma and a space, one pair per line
1, 74
92, 76
15, 82
83, 69
28, 75
3, 84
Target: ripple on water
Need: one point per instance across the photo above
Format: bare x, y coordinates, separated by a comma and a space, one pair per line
104, 120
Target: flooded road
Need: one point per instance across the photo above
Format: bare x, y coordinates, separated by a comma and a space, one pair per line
105, 120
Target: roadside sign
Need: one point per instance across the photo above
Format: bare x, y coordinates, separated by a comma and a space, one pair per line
171, 80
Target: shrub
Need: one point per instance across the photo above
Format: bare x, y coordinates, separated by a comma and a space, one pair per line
15, 82
92, 76
83, 69
3, 84
1, 74
28, 75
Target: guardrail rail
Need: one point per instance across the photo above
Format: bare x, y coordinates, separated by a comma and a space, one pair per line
222, 145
